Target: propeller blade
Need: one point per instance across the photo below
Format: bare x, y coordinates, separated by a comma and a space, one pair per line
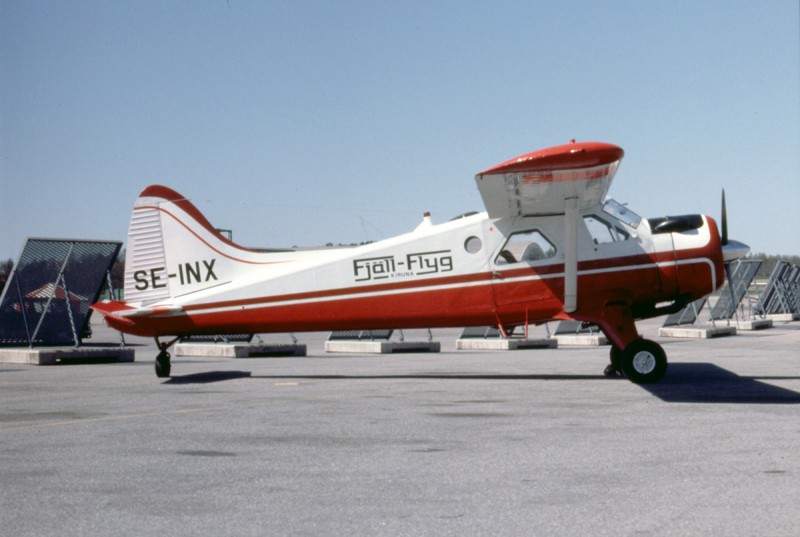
724, 222
731, 250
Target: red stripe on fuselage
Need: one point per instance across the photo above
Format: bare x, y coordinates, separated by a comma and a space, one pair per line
438, 302
345, 291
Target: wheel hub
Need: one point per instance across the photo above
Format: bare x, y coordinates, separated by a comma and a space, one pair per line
644, 362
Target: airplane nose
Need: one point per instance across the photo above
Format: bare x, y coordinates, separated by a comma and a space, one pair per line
733, 250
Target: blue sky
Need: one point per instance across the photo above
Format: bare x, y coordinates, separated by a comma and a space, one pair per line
302, 122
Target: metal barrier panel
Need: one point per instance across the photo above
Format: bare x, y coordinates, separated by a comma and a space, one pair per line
688, 315
360, 335
775, 298
217, 338
576, 328
485, 332
742, 276
46, 300
793, 288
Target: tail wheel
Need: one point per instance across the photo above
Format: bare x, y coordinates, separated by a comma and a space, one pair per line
643, 362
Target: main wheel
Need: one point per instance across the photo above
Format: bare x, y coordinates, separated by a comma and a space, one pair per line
162, 364
643, 362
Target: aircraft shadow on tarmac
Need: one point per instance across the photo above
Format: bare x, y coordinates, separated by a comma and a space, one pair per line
709, 383
208, 377
219, 376
683, 383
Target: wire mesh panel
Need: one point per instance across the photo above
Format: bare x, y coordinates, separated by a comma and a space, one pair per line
688, 315
777, 295
46, 300
360, 335
576, 328
793, 288
741, 276
217, 338
485, 332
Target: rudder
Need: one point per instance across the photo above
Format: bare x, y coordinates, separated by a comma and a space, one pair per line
173, 250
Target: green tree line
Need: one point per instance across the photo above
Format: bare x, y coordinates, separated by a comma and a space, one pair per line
769, 262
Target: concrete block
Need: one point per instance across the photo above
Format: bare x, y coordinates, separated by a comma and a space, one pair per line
697, 332
581, 340
505, 344
65, 355
784, 317
380, 347
236, 350
755, 324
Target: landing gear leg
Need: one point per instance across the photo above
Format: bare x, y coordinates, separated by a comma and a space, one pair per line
614, 369
163, 365
616, 322
642, 361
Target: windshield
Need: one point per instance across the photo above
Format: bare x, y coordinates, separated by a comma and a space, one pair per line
622, 213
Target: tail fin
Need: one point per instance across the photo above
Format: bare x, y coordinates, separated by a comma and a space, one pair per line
174, 251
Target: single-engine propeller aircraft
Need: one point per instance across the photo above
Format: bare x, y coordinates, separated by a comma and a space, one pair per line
550, 246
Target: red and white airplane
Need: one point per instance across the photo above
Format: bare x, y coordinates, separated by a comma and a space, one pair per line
550, 246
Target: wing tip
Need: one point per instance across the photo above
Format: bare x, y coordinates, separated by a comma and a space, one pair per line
574, 155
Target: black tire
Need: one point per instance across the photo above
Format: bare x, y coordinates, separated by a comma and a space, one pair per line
615, 356
163, 365
643, 362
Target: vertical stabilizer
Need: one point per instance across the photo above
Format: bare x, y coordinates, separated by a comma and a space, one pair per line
174, 252
145, 252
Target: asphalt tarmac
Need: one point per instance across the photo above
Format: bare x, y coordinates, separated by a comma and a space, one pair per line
532, 442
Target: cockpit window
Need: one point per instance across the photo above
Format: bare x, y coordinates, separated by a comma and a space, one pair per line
602, 232
525, 246
622, 213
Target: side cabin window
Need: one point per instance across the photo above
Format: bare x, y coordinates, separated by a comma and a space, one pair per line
604, 233
524, 246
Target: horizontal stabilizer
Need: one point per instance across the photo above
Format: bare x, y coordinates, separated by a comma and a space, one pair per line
121, 310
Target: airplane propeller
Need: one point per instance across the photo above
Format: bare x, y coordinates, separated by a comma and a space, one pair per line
731, 250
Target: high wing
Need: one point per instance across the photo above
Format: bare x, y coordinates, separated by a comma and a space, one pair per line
539, 183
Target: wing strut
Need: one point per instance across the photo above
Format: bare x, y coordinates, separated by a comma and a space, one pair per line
571, 219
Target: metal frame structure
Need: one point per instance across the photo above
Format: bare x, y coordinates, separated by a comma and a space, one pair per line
48, 295
782, 293
741, 276
360, 335
687, 316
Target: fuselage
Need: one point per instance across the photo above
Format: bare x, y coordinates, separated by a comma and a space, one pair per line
473, 270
